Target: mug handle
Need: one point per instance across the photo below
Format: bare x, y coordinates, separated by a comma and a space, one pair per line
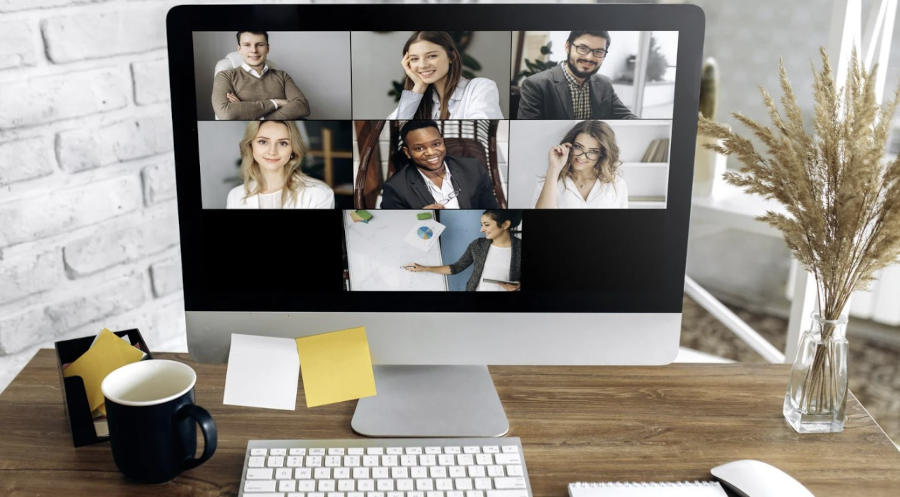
207, 427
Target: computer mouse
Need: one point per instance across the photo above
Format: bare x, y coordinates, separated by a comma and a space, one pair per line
751, 478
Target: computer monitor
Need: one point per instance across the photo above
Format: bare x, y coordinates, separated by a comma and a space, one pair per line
591, 109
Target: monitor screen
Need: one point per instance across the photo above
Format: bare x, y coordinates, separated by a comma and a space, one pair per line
409, 165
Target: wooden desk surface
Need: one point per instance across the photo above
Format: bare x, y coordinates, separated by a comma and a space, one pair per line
576, 423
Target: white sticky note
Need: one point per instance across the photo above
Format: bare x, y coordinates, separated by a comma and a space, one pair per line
262, 372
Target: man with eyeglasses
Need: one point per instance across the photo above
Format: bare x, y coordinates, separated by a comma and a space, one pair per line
254, 90
434, 180
573, 89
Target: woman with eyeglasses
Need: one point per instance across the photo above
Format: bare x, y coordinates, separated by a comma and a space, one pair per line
434, 87
583, 171
271, 153
497, 258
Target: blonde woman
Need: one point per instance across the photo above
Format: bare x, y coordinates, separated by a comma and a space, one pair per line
271, 153
583, 171
434, 87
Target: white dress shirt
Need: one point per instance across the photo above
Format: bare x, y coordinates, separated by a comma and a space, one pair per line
601, 196
315, 194
445, 190
496, 267
477, 98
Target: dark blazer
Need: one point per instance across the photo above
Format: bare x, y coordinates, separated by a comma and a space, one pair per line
477, 253
407, 190
545, 95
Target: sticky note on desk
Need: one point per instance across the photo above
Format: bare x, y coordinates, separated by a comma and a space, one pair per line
107, 353
336, 366
262, 372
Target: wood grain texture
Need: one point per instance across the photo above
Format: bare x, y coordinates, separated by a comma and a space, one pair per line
576, 424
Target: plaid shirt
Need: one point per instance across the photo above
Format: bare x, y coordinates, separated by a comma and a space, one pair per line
580, 93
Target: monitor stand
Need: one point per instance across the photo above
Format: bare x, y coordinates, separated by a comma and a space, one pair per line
431, 401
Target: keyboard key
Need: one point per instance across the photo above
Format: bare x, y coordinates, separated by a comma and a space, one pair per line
258, 452
389, 460
295, 461
301, 451
514, 470
325, 485
418, 472
336, 451
476, 471
277, 452
483, 484
484, 459
425, 484
260, 474
471, 493
457, 472
360, 473
396, 451
374, 451
256, 462
333, 461
370, 461
409, 460
507, 493
437, 472
315, 494
306, 485
471, 449
463, 483
322, 473
508, 459
260, 485
341, 473
335, 494
379, 473
434, 493
453, 449
351, 461
275, 461
443, 484
516, 482
427, 460
317, 451
346, 485
283, 474
510, 449
415, 494
405, 484
490, 449
455, 493
465, 460
355, 451
432, 450
495, 470
393, 494
384, 485
446, 459
295, 494
355, 494
303, 473
399, 472
287, 486
366, 485
313, 462
414, 451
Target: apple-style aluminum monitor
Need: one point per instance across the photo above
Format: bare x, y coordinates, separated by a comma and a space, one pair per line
473, 184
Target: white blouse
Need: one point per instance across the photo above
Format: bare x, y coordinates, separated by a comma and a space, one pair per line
601, 196
315, 194
477, 98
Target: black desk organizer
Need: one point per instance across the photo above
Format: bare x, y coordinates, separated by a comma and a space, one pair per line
77, 409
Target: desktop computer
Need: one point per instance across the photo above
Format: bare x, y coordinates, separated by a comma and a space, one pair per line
511, 186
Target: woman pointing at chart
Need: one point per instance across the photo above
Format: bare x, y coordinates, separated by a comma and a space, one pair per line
497, 257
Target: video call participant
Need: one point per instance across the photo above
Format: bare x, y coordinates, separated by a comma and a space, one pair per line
271, 153
434, 180
583, 171
434, 87
255, 90
497, 256
573, 89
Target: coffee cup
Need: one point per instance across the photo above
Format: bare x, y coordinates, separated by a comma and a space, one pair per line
153, 420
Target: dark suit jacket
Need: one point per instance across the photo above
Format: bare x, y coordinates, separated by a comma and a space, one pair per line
406, 189
545, 95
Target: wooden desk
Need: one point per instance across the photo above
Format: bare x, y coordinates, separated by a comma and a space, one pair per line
576, 423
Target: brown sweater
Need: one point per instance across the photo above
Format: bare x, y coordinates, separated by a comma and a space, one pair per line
255, 94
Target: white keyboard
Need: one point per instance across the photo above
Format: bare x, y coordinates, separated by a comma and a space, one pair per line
371, 467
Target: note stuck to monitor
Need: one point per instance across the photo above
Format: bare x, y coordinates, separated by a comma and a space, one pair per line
262, 372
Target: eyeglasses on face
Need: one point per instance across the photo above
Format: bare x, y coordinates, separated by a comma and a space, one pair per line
596, 52
448, 198
592, 154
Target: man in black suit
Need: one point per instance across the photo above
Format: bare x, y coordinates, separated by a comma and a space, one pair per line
573, 89
434, 180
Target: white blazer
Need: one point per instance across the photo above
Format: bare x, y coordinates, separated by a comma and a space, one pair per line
315, 194
477, 98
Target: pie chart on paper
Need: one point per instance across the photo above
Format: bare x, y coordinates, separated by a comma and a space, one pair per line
424, 232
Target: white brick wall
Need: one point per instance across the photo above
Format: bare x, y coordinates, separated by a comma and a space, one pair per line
88, 218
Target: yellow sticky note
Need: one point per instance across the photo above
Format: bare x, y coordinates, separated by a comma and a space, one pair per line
108, 352
336, 366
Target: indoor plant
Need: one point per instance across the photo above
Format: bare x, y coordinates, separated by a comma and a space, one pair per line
841, 216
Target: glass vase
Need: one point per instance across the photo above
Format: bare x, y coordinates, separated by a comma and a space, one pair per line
817, 392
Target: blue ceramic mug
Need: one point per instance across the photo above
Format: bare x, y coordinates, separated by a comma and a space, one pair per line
153, 420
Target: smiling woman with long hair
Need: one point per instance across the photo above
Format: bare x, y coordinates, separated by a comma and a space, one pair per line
497, 257
583, 171
271, 153
434, 87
